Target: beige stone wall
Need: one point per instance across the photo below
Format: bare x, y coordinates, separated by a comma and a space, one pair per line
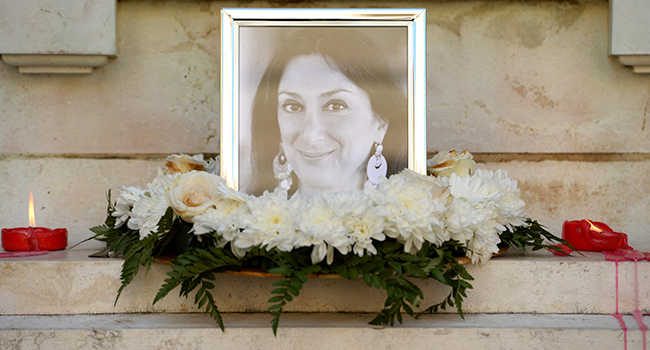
527, 85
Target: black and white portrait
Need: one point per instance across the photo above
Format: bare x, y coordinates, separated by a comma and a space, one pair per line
321, 108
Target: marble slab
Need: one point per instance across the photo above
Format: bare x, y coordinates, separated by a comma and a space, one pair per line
71, 283
316, 331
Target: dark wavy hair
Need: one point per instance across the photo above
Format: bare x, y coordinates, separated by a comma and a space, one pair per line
361, 61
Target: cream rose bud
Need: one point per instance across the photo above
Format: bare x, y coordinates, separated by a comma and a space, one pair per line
182, 163
445, 164
193, 193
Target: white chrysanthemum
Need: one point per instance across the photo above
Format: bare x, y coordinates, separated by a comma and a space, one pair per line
471, 208
482, 245
151, 205
462, 219
349, 203
507, 199
270, 221
472, 188
147, 212
224, 219
124, 204
318, 226
483, 206
230, 194
362, 221
365, 229
410, 209
162, 182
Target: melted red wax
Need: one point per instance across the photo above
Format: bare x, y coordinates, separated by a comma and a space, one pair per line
633, 255
594, 236
617, 315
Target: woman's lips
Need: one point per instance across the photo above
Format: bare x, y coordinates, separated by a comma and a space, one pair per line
315, 156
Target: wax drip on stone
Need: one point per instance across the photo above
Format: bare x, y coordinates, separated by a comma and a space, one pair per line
617, 315
633, 255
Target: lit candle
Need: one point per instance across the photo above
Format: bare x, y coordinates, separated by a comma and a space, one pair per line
593, 236
33, 238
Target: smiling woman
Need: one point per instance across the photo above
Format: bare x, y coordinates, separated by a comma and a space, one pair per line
328, 113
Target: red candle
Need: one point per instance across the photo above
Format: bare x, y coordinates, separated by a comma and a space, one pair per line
593, 236
34, 238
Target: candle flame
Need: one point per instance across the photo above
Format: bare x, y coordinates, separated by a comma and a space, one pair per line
593, 227
32, 218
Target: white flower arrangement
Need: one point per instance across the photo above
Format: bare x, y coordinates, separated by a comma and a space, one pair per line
472, 208
410, 225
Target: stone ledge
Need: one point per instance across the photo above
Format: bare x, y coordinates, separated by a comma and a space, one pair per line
639, 63
68, 282
316, 331
55, 64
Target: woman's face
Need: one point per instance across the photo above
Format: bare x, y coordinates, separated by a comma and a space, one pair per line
327, 126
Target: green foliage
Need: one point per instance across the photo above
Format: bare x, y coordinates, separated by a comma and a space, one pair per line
450, 272
125, 242
391, 269
532, 235
196, 268
287, 289
295, 266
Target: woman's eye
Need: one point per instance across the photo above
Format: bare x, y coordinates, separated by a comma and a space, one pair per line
335, 106
292, 107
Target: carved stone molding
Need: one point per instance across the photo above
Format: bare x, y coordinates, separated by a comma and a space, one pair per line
640, 63
57, 36
629, 30
57, 64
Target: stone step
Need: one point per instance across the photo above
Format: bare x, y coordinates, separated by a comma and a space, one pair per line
68, 282
317, 331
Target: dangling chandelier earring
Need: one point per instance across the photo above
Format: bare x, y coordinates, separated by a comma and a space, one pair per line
376, 167
282, 170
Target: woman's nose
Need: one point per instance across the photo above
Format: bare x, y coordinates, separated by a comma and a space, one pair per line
313, 129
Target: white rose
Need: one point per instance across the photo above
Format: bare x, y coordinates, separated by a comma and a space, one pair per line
438, 188
182, 163
193, 193
445, 164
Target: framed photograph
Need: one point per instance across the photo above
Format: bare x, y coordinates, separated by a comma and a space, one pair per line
317, 100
